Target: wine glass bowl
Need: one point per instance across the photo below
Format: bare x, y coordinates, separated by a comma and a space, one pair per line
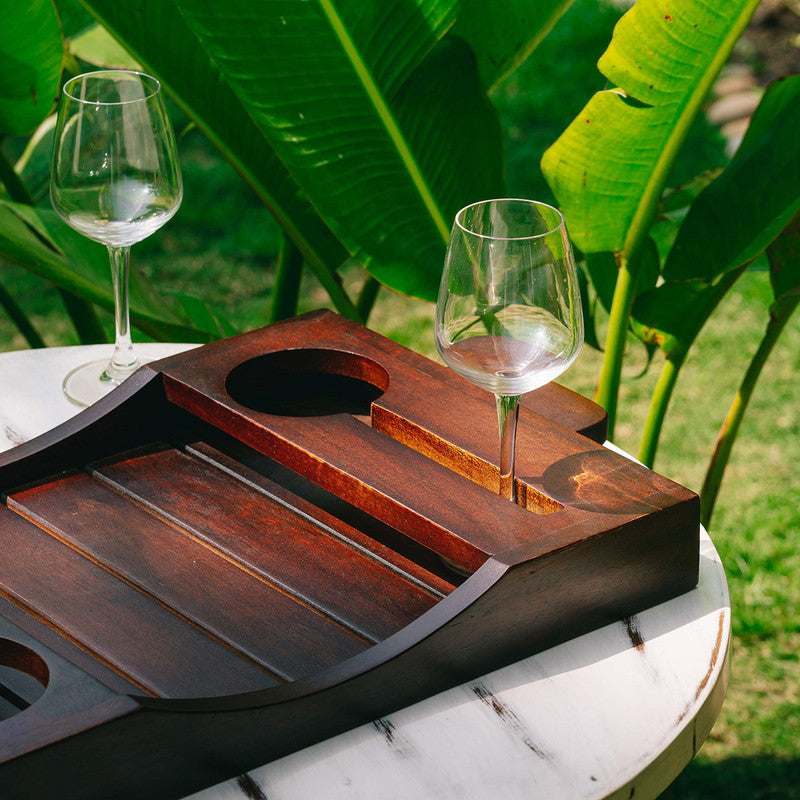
508, 316
116, 179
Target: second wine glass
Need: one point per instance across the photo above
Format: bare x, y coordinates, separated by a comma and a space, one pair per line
116, 179
508, 316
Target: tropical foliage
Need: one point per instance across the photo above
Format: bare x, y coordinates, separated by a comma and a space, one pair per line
661, 258
363, 125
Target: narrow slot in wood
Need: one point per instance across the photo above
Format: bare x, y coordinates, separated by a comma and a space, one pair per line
459, 520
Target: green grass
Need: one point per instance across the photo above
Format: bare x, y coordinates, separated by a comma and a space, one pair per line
222, 246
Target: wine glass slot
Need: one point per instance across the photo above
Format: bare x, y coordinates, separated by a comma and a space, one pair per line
309, 382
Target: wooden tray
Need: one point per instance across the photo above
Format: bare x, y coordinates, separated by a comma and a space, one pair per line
255, 545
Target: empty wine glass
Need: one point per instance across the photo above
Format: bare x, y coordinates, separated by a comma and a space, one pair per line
508, 317
115, 178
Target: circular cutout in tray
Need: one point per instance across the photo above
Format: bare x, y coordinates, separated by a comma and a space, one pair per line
308, 382
23, 677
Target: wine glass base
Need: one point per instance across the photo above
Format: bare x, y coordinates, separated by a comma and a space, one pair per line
86, 384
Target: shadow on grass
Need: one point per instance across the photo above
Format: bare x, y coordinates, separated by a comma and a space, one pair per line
754, 778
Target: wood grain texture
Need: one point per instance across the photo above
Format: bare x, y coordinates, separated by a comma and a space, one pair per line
330, 512
235, 605
290, 551
275, 571
123, 628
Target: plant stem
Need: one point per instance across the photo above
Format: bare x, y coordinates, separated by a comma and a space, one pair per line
17, 190
659, 401
333, 286
507, 416
287, 281
367, 297
81, 312
730, 427
676, 354
611, 369
87, 325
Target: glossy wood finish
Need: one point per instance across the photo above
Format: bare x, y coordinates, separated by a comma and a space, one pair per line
341, 558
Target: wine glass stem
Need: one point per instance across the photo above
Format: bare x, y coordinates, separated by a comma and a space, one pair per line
507, 415
124, 360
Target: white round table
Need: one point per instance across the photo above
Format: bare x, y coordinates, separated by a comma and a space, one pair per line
616, 713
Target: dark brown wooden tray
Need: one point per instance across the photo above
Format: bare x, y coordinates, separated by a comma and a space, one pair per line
255, 545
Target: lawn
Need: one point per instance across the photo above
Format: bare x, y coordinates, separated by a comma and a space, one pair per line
222, 247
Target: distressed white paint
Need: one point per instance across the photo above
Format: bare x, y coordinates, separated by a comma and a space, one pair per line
593, 718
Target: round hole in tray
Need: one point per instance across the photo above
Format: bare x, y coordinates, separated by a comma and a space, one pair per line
23, 677
308, 382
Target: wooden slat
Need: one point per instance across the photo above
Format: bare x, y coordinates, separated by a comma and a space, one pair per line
234, 605
120, 626
382, 477
289, 549
343, 520
17, 620
322, 328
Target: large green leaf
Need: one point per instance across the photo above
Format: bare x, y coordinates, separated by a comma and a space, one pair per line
440, 101
156, 34
725, 229
31, 53
609, 168
751, 202
323, 81
38, 240
97, 46
673, 314
503, 33
784, 266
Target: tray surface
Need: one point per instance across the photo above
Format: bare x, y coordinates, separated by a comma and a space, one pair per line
267, 540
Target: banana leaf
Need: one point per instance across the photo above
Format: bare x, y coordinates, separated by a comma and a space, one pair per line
31, 54
156, 34
730, 222
96, 46
503, 33
323, 81
784, 263
744, 209
609, 168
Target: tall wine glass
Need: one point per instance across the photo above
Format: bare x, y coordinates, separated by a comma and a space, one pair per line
115, 178
508, 317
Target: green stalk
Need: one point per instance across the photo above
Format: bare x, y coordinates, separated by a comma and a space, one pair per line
87, 325
287, 281
676, 353
659, 401
730, 427
608, 382
625, 291
17, 190
367, 297
331, 283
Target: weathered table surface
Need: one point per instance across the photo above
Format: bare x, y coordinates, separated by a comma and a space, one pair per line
615, 713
